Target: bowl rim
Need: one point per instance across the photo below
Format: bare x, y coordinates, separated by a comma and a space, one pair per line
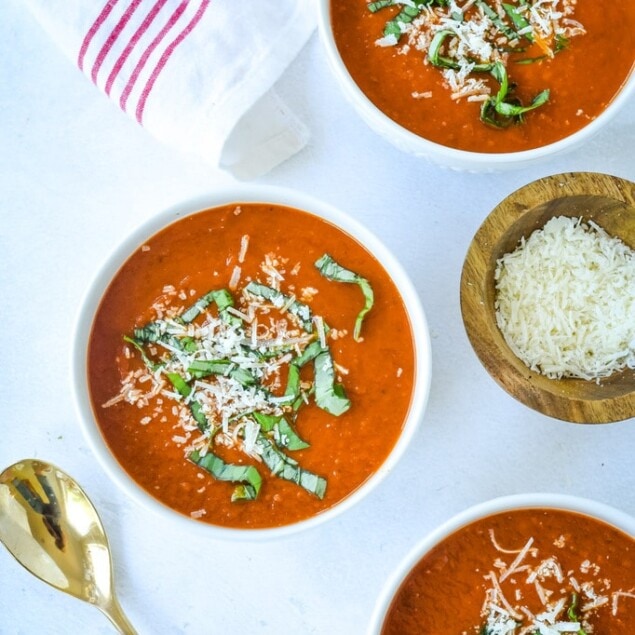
219, 197
613, 516
518, 380
478, 161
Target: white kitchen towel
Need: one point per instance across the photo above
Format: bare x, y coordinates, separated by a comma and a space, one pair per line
197, 74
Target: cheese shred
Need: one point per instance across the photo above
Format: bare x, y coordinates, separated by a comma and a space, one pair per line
566, 301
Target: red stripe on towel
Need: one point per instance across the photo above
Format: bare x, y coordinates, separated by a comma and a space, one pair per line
101, 18
166, 56
133, 42
146, 54
112, 38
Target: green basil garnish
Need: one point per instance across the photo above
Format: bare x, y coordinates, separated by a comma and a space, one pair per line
288, 469
519, 21
279, 300
188, 358
283, 433
331, 270
247, 476
502, 110
203, 367
329, 395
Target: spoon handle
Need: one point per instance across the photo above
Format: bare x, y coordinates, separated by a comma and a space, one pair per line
115, 614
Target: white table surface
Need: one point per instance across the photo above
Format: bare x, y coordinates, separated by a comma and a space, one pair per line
76, 175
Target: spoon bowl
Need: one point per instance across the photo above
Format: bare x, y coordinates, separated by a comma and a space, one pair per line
52, 529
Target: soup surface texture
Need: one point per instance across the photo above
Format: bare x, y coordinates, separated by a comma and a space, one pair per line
519, 572
251, 365
484, 75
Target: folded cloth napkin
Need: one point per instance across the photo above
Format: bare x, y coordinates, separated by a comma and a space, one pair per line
197, 74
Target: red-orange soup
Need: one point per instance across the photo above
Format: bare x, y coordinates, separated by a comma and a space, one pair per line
583, 77
517, 567
225, 248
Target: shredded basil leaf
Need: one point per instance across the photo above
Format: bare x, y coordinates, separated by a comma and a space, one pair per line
331, 270
308, 354
279, 300
180, 385
293, 382
152, 366
436, 59
293, 389
572, 613
405, 16
297, 396
285, 436
490, 116
329, 395
499, 73
572, 610
286, 468
247, 475
501, 110
519, 21
222, 298
373, 7
203, 367
283, 433
199, 416
512, 110
434, 51
185, 390
407, 13
531, 60
500, 24
562, 43
154, 332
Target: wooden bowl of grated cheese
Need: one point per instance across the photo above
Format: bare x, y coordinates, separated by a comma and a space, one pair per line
548, 296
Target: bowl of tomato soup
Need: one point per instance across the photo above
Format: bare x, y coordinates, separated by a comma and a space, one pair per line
251, 362
482, 85
528, 563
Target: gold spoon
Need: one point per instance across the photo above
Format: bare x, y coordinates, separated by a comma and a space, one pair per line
53, 530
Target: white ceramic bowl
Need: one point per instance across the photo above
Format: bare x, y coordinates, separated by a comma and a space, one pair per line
606, 513
411, 143
249, 194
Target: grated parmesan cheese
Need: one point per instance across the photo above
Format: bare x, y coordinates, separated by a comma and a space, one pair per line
261, 343
476, 37
503, 617
566, 301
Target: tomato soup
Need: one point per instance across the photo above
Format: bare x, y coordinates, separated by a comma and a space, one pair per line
251, 365
521, 572
488, 76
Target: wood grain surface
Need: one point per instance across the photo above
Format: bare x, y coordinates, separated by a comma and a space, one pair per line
607, 200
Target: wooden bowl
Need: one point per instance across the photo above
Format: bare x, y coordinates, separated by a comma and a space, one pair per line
607, 200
